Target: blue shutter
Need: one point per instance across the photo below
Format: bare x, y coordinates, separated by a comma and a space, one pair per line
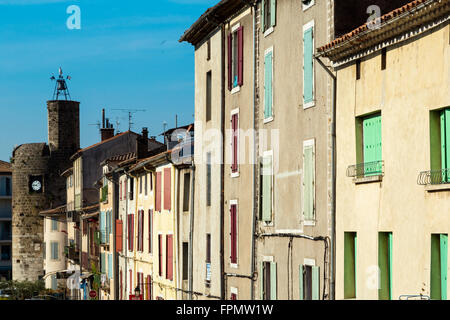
308, 76
110, 265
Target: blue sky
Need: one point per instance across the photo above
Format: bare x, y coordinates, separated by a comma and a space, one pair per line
126, 55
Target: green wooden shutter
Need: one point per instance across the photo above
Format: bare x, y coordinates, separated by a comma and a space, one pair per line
444, 250
308, 182
349, 265
273, 281
300, 282
273, 13
435, 269
308, 76
372, 145
384, 266
315, 283
390, 265
263, 4
267, 188
356, 255
261, 277
268, 85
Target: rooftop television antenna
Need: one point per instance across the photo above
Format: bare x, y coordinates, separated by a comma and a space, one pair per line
130, 115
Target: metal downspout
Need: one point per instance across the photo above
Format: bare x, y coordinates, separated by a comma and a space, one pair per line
222, 205
191, 231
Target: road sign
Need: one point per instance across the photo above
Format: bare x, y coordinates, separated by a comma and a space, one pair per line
92, 294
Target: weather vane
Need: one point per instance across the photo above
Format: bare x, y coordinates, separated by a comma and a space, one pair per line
61, 86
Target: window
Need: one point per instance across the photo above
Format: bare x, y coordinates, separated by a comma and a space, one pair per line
54, 282
54, 225
358, 69
309, 282
438, 277
268, 284
131, 188
234, 293
6, 253
103, 262
44, 251
350, 265
167, 189
308, 65
146, 184
208, 95
208, 179
149, 287
383, 58
55, 250
120, 190
125, 189
158, 192
268, 84
235, 142
140, 231
150, 231
185, 260
119, 235
140, 185
385, 265
208, 259
208, 49
186, 191
233, 232
160, 253
368, 137
130, 232
309, 182
267, 186
235, 57
169, 257
440, 145
268, 14
7, 186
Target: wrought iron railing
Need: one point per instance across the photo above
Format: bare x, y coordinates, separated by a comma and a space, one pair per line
361, 170
434, 177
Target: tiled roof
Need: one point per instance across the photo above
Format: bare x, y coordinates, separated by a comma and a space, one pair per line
383, 19
104, 141
122, 157
5, 166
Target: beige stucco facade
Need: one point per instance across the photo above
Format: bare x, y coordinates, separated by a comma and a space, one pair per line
416, 81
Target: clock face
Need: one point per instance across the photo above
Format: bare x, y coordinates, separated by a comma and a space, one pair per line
36, 185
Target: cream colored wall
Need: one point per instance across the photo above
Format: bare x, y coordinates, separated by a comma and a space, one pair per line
51, 265
124, 265
291, 126
415, 81
207, 219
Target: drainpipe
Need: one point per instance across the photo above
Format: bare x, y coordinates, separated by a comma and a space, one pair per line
116, 216
222, 170
191, 231
333, 184
176, 222
135, 195
253, 252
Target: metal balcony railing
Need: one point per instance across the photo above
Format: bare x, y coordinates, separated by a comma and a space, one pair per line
361, 170
434, 177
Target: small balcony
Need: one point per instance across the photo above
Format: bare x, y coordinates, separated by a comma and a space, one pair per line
435, 180
366, 172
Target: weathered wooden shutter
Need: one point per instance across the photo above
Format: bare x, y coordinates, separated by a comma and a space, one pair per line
273, 281
160, 247
315, 283
167, 189
132, 232
267, 189
169, 257
273, 12
119, 235
149, 287
445, 141
150, 230
233, 233
443, 251
240, 35
234, 142
268, 61
300, 283
308, 182
230, 61
308, 70
158, 192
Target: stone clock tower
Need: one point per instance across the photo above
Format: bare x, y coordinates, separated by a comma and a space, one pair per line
38, 185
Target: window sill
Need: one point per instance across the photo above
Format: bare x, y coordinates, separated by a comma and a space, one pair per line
268, 31
235, 89
234, 265
309, 223
369, 179
235, 174
437, 187
267, 120
309, 105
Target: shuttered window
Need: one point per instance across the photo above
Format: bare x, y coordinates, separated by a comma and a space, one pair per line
150, 231
372, 145
119, 235
160, 254
309, 282
110, 266
234, 142
385, 265
236, 58
308, 181
268, 84
186, 191
350, 265
102, 263
169, 257
120, 285
167, 189
268, 285
131, 188
146, 184
54, 246
233, 233
308, 65
267, 186
445, 144
268, 14
102, 226
438, 276
158, 192
149, 288
208, 179
130, 232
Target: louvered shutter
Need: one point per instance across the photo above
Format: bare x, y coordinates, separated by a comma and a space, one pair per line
268, 60
167, 189
273, 281
233, 233
261, 277
240, 34
267, 188
230, 61
150, 230
119, 235
160, 244
234, 141
263, 17
444, 253
273, 12
315, 283
169, 257
120, 190
308, 76
308, 182
158, 192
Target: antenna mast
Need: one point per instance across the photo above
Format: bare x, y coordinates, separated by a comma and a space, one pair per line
130, 115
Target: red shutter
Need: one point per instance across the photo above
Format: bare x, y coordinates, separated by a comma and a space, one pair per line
158, 192
119, 235
131, 235
233, 256
234, 141
167, 188
230, 61
240, 34
142, 231
149, 287
233, 296
150, 230
169, 257
160, 254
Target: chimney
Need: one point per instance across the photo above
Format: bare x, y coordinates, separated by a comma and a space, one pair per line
107, 130
142, 144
